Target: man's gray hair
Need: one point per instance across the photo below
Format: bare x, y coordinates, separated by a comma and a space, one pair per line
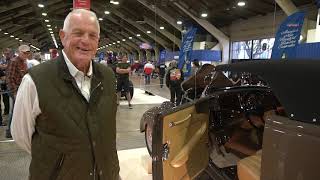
79, 11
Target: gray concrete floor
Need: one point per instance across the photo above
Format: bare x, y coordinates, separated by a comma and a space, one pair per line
14, 162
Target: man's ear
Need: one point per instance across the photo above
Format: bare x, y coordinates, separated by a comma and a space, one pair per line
62, 34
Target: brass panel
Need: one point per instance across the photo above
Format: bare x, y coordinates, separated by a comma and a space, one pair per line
178, 137
290, 150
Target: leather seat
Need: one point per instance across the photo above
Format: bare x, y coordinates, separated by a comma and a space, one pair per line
250, 168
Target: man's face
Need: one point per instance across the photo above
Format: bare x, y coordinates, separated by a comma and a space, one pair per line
124, 59
81, 39
7, 54
24, 55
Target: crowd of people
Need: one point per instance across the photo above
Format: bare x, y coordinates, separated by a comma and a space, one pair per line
13, 66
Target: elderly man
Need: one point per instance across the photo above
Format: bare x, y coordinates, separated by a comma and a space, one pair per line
16, 69
60, 116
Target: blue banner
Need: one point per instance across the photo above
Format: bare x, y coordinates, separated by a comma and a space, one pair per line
186, 51
101, 56
318, 3
162, 56
288, 36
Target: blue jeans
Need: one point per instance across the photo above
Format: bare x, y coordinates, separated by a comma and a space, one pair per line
10, 114
147, 78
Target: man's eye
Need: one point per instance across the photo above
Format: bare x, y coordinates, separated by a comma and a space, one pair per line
77, 33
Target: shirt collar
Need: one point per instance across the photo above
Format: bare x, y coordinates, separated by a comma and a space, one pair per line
72, 69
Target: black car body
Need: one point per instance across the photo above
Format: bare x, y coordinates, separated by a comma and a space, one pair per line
243, 132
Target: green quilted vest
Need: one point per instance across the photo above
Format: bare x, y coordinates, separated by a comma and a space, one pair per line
74, 139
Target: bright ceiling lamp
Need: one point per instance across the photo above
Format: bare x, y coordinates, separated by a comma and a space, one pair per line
138, 35
118, 41
123, 39
20, 40
204, 15
161, 27
40, 5
17, 38
46, 20
5, 33
107, 12
12, 36
241, 3
179, 22
148, 32
100, 19
44, 14
130, 37
114, 2
48, 25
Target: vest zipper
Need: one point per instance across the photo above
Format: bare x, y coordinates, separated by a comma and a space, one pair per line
57, 168
95, 88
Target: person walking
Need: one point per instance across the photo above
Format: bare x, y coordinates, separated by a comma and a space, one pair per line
65, 111
162, 71
148, 68
174, 78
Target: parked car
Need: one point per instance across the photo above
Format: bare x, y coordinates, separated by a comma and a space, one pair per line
244, 132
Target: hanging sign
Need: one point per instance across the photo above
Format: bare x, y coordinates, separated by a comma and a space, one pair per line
81, 4
186, 52
287, 37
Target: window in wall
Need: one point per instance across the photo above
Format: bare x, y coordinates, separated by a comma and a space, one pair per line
262, 48
241, 50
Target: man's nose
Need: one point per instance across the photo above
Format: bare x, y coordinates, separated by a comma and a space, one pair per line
85, 38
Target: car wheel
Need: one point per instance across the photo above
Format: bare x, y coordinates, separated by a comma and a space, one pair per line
148, 138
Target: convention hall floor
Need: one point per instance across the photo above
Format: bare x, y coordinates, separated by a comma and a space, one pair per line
14, 162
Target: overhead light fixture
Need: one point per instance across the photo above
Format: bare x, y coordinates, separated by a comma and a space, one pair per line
46, 20
49, 29
110, 44
40, 5
148, 32
118, 41
12, 36
138, 35
241, 3
204, 15
17, 38
130, 37
51, 32
20, 40
100, 19
123, 39
44, 14
5, 33
161, 27
179, 22
114, 43
115, 2
107, 12
48, 25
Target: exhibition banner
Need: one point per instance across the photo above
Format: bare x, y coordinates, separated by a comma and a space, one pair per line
318, 3
101, 56
84, 4
287, 37
162, 56
185, 51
